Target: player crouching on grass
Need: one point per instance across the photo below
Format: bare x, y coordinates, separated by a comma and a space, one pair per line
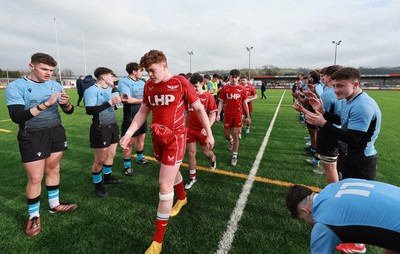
352, 210
165, 96
32, 103
196, 132
104, 133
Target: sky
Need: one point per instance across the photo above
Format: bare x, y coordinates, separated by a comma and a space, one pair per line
284, 33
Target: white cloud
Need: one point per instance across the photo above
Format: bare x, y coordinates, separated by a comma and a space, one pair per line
285, 33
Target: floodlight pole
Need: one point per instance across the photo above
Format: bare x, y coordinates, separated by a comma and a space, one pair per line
190, 60
84, 50
8, 80
249, 49
336, 45
58, 52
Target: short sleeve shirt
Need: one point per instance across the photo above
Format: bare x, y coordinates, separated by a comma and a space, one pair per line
167, 101
209, 106
30, 94
233, 96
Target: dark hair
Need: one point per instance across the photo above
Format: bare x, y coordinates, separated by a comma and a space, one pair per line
189, 75
332, 69
196, 78
234, 72
101, 71
152, 57
132, 67
44, 59
183, 75
244, 77
215, 75
207, 76
314, 76
322, 71
347, 73
294, 196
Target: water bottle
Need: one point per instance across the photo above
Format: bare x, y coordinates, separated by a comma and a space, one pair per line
119, 104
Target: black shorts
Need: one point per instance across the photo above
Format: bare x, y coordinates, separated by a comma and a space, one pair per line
327, 145
101, 137
381, 237
357, 166
310, 126
127, 122
37, 145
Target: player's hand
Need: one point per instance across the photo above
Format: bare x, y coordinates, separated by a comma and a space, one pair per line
217, 118
64, 98
315, 118
311, 87
124, 142
210, 142
53, 99
248, 120
317, 104
115, 100
299, 108
125, 97
203, 132
310, 94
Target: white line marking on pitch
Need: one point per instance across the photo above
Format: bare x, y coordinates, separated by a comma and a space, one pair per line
226, 241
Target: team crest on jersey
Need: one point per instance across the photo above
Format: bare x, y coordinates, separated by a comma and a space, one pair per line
53, 89
151, 88
172, 88
30, 90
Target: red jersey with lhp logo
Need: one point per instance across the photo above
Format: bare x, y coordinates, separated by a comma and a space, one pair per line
251, 91
233, 96
167, 101
209, 104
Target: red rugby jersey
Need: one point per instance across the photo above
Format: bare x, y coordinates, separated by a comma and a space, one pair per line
251, 91
209, 104
167, 100
233, 97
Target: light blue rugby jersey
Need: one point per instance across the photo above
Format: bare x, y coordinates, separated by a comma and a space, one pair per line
96, 96
30, 94
129, 86
356, 202
361, 113
319, 88
329, 98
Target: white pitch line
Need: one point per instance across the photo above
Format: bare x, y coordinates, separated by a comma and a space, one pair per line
226, 241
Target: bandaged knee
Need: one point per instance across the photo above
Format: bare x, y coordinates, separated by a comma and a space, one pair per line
167, 196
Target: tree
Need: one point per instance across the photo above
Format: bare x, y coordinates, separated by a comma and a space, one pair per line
67, 73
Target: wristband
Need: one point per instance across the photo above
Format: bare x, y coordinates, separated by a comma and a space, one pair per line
128, 132
67, 105
39, 108
45, 104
